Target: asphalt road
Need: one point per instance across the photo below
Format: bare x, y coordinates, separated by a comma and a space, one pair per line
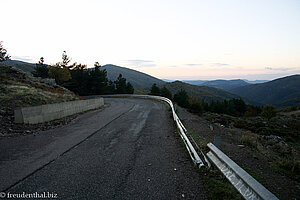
129, 150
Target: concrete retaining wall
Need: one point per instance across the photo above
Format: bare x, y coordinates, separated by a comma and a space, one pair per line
49, 112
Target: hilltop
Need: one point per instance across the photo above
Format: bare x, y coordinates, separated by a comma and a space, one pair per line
280, 92
226, 84
223, 84
136, 78
199, 92
25, 66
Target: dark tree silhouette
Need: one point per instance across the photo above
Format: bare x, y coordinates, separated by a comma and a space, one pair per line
65, 60
3, 53
164, 92
120, 85
182, 98
129, 88
41, 70
155, 90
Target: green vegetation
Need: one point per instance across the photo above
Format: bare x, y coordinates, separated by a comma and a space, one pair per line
164, 92
136, 78
81, 80
41, 70
3, 53
60, 74
122, 87
226, 85
60, 71
26, 67
278, 139
218, 186
280, 93
268, 112
155, 90
205, 93
233, 107
182, 99
249, 140
94, 81
19, 89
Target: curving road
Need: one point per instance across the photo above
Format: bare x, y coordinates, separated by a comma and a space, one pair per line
128, 150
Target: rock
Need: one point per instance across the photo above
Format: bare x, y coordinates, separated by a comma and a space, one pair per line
2, 112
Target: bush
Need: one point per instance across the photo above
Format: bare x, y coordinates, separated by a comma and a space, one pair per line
268, 112
60, 74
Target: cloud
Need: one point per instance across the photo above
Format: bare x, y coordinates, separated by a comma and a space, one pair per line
279, 69
220, 64
141, 63
193, 65
173, 66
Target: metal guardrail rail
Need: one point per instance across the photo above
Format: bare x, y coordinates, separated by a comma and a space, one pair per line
246, 185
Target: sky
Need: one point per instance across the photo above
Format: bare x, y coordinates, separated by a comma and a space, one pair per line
168, 39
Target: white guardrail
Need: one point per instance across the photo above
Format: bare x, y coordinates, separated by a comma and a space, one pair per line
246, 185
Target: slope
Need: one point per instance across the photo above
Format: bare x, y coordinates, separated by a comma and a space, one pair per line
136, 78
25, 66
225, 84
200, 92
279, 92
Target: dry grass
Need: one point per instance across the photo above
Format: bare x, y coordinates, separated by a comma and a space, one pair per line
20, 90
249, 139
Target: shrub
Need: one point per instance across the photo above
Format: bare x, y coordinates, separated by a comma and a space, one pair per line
249, 140
268, 112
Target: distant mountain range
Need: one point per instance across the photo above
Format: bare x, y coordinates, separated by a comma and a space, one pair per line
226, 84
194, 82
200, 92
223, 84
136, 78
256, 81
280, 92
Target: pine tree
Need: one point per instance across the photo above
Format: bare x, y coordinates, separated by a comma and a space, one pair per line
164, 92
3, 53
40, 69
155, 90
182, 98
